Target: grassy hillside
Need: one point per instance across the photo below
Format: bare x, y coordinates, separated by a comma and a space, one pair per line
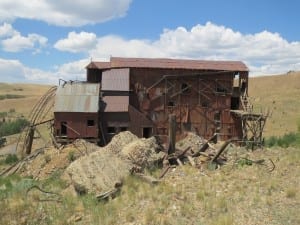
22, 97
281, 94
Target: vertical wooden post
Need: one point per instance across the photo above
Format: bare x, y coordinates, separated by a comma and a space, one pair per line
29, 140
172, 133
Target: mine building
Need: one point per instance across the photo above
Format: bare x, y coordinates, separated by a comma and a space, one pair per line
139, 94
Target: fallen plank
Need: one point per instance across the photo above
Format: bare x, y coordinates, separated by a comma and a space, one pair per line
205, 145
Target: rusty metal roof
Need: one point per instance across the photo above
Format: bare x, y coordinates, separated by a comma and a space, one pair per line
163, 63
116, 103
77, 97
115, 80
98, 65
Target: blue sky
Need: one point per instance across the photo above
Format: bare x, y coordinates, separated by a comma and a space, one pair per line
44, 40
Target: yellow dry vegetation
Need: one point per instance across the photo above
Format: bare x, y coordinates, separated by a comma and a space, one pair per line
281, 94
30, 93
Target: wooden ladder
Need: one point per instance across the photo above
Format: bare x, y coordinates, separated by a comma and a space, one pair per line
246, 103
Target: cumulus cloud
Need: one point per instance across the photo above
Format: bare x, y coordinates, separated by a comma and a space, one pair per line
6, 30
13, 71
77, 42
64, 13
263, 52
12, 41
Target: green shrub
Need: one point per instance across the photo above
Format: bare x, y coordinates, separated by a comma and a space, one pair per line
71, 156
290, 139
11, 96
13, 127
11, 158
3, 114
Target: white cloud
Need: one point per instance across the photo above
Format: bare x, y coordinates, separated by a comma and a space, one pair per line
6, 30
64, 13
12, 41
19, 43
72, 70
14, 71
116, 46
77, 42
264, 52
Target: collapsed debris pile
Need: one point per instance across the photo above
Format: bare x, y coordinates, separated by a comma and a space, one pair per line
88, 168
105, 168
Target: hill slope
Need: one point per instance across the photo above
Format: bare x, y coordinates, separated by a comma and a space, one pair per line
20, 97
281, 94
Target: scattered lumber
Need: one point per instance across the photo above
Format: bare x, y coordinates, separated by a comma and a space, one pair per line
205, 145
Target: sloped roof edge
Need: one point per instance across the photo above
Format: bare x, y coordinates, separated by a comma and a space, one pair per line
167, 63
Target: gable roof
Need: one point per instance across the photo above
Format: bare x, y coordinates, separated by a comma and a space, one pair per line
164, 63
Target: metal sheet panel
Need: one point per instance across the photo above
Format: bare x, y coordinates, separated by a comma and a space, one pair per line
178, 64
77, 97
115, 80
116, 103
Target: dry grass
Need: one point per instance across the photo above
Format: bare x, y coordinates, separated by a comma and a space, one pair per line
281, 94
31, 92
230, 195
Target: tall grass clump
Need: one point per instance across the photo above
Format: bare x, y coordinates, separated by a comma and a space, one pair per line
12, 127
287, 140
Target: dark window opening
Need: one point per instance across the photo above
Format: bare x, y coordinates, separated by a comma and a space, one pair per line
185, 88
171, 104
221, 89
90, 123
217, 116
243, 85
235, 103
63, 128
147, 132
204, 104
111, 130
123, 129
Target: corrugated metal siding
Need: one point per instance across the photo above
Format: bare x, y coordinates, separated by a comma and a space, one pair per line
116, 103
77, 97
115, 80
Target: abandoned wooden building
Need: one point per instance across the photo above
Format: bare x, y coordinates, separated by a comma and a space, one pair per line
138, 94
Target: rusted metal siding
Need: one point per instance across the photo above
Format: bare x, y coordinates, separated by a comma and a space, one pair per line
199, 93
78, 125
115, 103
113, 123
115, 80
203, 107
138, 121
77, 97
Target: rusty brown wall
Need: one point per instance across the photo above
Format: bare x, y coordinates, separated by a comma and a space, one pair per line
76, 124
113, 120
194, 111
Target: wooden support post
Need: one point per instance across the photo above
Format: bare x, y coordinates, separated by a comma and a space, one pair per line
172, 133
29, 140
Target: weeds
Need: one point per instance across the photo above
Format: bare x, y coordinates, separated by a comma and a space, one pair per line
287, 140
11, 158
291, 192
12, 127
